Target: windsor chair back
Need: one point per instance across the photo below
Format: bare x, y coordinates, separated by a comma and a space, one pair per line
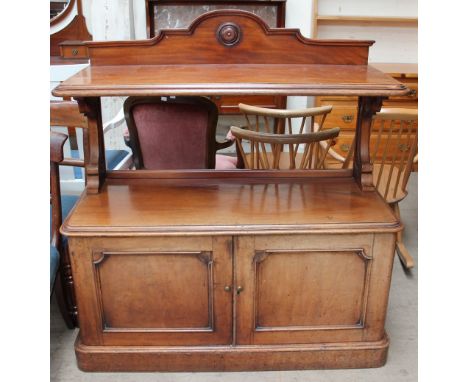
393, 150
270, 131
266, 149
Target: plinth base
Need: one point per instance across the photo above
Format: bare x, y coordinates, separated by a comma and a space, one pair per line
232, 358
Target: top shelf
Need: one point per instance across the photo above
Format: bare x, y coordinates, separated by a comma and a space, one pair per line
239, 79
366, 19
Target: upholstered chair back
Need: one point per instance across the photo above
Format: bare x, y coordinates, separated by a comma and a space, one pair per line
172, 133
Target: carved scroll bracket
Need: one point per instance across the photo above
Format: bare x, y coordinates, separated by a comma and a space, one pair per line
205, 257
364, 254
98, 257
260, 256
93, 144
362, 168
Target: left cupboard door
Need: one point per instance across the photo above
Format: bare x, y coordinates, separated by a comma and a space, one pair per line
163, 291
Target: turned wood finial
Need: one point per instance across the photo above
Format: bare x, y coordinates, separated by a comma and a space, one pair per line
229, 34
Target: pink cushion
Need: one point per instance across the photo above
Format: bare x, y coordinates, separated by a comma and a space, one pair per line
172, 136
224, 162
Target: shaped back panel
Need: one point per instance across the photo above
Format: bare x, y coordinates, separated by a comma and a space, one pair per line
229, 37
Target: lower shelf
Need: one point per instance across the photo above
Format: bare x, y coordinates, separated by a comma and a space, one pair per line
230, 205
349, 355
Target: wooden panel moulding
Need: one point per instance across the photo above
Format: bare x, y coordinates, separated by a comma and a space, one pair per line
259, 44
287, 309
154, 271
154, 291
304, 289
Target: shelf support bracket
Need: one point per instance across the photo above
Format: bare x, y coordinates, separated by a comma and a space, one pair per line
362, 168
95, 162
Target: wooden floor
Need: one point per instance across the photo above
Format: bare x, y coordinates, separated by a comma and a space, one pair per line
401, 326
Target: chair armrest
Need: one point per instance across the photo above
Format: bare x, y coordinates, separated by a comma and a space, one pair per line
72, 162
66, 113
333, 153
57, 140
224, 144
230, 139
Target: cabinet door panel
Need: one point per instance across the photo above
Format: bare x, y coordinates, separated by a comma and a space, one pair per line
315, 288
164, 290
311, 288
148, 291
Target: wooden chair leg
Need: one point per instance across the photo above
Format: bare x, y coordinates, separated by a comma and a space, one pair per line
62, 303
404, 255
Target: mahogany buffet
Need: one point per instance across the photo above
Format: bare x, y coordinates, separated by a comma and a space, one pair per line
230, 270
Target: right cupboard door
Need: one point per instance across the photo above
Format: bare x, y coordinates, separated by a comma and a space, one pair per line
298, 289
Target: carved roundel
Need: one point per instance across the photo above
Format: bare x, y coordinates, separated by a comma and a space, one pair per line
229, 34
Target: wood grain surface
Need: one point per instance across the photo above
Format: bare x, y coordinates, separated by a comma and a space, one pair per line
149, 206
229, 79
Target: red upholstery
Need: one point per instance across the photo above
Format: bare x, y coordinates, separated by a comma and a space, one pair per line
172, 136
224, 162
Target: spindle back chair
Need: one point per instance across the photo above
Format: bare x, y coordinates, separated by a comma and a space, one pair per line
393, 150
275, 158
259, 120
283, 115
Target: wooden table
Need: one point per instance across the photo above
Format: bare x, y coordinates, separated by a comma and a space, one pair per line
230, 270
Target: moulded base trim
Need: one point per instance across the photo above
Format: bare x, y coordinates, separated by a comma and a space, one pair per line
347, 355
